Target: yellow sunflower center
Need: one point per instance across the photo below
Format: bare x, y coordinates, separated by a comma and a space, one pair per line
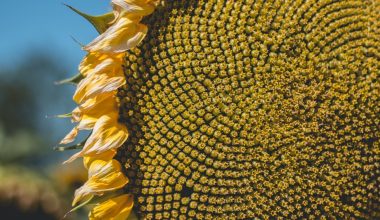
243, 109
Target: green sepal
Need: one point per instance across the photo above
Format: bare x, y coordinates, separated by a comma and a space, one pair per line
77, 41
100, 22
72, 80
107, 196
72, 147
75, 208
67, 115
95, 200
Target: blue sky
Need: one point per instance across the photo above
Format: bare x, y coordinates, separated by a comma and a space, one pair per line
29, 25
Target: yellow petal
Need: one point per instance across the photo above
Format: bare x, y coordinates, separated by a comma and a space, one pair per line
103, 176
117, 208
107, 155
97, 84
125, 34
138, 7
90, 62
91, 110
108, 134
70, 137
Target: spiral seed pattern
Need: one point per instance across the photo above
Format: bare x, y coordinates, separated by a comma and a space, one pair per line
255, 108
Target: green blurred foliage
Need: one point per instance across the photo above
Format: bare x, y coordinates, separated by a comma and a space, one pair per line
27, 95
29, 171
25, 194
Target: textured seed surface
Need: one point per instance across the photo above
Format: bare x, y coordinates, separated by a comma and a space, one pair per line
244, 109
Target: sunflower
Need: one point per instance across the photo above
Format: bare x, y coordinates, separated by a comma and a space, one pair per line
231, 110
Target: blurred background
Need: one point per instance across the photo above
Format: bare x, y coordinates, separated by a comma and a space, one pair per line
37, 49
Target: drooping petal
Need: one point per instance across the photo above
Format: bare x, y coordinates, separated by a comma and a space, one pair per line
117, 208
97, 84
103, 176
90, 61
108, 134
92, 109
125, 34
107, 155
70, 137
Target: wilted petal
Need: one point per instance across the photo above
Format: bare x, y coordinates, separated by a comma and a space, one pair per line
107, 155
96, 84
91, 61
70, 137
117, 208
108, 134
103, 176
125, 34
91, 110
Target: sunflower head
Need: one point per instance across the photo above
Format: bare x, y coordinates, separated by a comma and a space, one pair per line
234, 110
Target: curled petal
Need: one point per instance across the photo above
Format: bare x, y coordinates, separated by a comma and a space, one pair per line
97, 84
90, 61
107, 155
103, 176
92, 109
108, 134
70, 137
96, 63
125, 34
117, 208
